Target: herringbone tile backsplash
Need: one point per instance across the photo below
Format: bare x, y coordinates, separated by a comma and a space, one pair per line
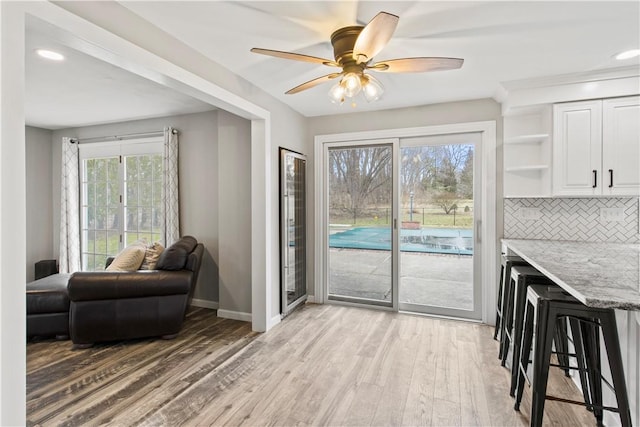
572, 219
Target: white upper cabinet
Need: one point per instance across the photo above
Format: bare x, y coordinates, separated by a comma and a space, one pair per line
621, 146
577, 148
596, 147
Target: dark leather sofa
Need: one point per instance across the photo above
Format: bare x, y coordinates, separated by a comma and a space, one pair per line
48, 307
108, 306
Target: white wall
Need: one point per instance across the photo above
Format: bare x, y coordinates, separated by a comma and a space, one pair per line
198, 181
426, 115
234, 216
39, 198
12, 216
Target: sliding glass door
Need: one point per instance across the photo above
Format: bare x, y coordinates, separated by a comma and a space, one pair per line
400, 224
438, 263
360, 195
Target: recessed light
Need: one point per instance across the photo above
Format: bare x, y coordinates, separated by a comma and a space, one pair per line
49, 54
627, 54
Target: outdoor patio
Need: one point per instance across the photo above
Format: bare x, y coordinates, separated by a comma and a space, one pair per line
441, 280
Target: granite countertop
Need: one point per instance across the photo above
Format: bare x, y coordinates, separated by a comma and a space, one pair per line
597, 274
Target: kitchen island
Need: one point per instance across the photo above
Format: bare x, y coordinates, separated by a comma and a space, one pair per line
604, 275
598, 275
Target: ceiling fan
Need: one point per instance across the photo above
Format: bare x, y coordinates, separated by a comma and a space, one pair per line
354, 48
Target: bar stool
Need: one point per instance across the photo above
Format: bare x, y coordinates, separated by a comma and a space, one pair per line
507, 262
543, 309
513, 308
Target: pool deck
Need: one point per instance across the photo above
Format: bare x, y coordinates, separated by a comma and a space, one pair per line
441, 280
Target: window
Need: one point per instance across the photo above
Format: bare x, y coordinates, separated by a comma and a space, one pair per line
120, 197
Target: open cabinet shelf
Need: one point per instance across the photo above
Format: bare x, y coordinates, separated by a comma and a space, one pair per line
528, 168
527, 152
527, 139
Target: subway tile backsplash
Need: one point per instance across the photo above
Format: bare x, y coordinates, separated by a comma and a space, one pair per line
578, 219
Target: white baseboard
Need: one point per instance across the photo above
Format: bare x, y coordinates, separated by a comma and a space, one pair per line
311, 299
234, 315
203, 303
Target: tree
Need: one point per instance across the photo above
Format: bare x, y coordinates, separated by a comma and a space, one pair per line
447, 177
465, 186
361, 174
447, 200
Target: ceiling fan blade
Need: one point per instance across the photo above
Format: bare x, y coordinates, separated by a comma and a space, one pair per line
374, 36
312, 83
295, 56
417, 65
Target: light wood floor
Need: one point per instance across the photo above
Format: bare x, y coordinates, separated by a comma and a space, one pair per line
323, 365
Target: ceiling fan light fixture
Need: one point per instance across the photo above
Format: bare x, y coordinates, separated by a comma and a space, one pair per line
372, 89
352, 85
336, 93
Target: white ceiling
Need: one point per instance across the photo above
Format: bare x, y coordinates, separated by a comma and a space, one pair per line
84, 91
500, 42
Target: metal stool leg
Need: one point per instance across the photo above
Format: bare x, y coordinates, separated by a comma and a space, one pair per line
545, 331
499, 304
591, 339
562, 346
612, 344
507, 321
578, 344
525, 353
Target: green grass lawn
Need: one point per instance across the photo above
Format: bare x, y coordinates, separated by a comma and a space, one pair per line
427, 216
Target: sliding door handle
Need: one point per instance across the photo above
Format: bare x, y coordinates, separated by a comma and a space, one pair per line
286, 231
595, 179
478, 228
610, 178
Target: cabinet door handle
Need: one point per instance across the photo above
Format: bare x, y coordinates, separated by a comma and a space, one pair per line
595, 179
610, 178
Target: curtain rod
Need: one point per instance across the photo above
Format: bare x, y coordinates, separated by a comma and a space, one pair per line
121, 137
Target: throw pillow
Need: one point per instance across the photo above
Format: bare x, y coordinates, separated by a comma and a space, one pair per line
151, 256
188, 243
173, 258
129, 259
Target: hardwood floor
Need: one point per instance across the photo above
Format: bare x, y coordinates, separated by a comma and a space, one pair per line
323, 365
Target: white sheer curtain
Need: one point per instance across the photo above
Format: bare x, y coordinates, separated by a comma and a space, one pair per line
170, 195
69, 209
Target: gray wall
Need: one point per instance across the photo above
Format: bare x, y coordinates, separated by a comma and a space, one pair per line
426, 115
198, 180
288, 128
234, 212
39, 198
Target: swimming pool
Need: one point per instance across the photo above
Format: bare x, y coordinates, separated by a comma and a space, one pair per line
433, 240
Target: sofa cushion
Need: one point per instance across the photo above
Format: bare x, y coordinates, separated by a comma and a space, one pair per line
175, 256
107, 285
48, 295
151, 256
129, 259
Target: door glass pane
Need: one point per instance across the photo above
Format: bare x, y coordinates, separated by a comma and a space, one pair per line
99, 210
436, 234
143, 201
360, 191
295, 232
